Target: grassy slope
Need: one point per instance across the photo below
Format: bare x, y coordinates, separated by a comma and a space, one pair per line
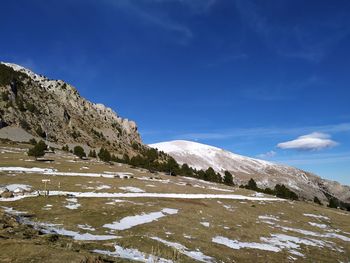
233, 219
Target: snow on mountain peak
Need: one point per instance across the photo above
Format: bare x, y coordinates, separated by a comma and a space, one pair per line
202, 156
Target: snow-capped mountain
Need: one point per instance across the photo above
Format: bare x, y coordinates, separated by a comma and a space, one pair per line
266, 174
201, 156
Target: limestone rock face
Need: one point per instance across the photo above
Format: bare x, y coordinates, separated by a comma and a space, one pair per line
54, 110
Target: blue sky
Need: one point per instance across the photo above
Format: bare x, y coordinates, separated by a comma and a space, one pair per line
266, 79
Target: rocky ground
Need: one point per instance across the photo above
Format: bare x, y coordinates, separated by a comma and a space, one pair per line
23, 243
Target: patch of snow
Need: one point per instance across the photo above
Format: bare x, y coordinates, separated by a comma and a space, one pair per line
77, 235
131, 254
72, 203
220, 189
144, 178
52, 172
18, 188
164, 195
316, 234
206, 224
196, 255
47, 207
147, 195
132, 189
19, 197
268, 217
11, 211
235, 244
73, 206
323, 226
317, 216
131, 221
100, 187
258, 194
86, 227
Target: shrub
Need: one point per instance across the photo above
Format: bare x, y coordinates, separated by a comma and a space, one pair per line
92, 154
333, 202
40, 132
32, 141
104, 155
5, 96
75, 134
20, 104
24, 124
268, 191
65, 148
317, 201
38, 150
79, 151
8, 75
135, 145
114, 158
31, 107
126, 158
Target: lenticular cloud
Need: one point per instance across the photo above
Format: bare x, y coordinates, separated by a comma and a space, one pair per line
310, 142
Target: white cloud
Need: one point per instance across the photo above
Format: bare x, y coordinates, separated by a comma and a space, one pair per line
310, 142
266, 155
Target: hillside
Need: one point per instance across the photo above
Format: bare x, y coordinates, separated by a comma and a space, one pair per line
33, 105
97, 212
266, 174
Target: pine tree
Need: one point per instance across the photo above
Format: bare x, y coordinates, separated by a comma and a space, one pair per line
252, 185
228, 178
172, 166
210, 175
186, 170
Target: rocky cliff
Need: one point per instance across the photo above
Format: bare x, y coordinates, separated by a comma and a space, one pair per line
54, 110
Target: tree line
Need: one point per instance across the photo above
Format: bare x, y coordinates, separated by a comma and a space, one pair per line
158, 161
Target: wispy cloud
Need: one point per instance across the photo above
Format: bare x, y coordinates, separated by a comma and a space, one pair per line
196, 6
259, 132
307, 159
267, 155
227, 59
310, 39
310, 142
279, 91
156, 13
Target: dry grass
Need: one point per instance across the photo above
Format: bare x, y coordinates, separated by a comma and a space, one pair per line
233, 219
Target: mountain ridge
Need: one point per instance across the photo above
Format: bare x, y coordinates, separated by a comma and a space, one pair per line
266, 174
55, 110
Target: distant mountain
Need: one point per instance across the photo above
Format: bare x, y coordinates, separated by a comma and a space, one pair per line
266, 174
33, 105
